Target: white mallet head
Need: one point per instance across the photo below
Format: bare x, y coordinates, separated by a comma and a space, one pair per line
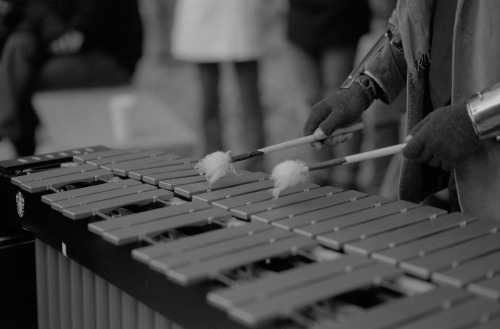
215, 165
287, 174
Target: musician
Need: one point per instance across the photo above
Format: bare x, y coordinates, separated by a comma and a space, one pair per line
61, 44
444, 53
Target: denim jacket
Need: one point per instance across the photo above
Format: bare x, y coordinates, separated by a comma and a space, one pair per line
475, 66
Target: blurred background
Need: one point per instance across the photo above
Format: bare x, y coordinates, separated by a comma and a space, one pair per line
161, 107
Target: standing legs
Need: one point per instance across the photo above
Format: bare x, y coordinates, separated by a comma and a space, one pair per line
210, 107
253, 135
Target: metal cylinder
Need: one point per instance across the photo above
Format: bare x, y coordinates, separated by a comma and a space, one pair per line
484, 111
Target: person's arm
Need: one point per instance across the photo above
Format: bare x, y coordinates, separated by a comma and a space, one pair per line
388, 66
380, 75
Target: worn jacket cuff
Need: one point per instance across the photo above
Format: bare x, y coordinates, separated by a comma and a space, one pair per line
388, 69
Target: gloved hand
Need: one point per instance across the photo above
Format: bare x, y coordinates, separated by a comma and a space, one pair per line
444, 138
342, 108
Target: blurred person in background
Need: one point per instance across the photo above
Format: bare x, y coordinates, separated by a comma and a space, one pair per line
61, 44
157, 25
209, 34
323, 37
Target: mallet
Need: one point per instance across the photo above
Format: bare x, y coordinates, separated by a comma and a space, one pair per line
292, 172
215, 165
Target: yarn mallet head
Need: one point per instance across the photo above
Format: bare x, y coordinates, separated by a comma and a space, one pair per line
288, 174
215, 165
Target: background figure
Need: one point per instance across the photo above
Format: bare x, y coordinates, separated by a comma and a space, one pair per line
157, 21
323, 37
62, 44
210, 33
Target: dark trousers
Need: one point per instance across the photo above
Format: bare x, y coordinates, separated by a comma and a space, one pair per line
26, 68
252, 115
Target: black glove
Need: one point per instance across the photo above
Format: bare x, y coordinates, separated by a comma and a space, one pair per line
444, 138
342, 108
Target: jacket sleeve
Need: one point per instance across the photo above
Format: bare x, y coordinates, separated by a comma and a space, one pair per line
88, 17
39, 14
388, 67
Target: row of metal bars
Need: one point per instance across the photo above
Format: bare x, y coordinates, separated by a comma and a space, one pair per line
69, 296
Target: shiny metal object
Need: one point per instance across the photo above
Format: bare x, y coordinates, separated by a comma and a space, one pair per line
484, 112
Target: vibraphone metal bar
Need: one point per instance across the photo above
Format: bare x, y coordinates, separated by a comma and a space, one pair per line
315, 257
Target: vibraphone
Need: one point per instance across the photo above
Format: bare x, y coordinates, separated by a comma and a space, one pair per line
138, 239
